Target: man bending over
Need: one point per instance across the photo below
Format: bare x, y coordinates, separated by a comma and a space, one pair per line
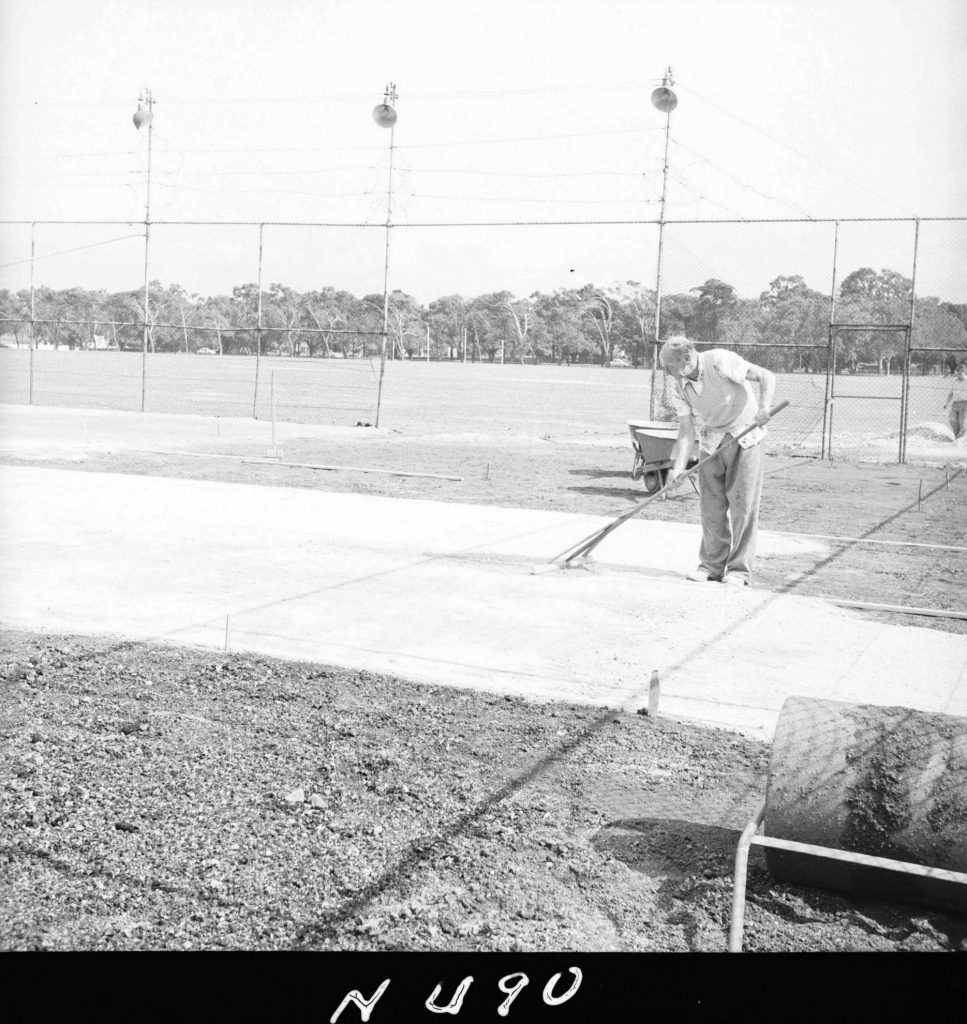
712, 391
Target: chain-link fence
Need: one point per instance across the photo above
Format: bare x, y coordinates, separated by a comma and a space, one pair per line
238, 353
863, 321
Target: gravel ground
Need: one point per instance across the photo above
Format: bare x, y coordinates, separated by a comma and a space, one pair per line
173, 799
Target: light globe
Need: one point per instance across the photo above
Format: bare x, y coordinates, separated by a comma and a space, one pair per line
384, 115
664, 99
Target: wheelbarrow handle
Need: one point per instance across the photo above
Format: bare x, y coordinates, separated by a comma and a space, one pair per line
590, 542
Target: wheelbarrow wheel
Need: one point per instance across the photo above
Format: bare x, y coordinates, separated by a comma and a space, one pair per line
654, 480
638, 468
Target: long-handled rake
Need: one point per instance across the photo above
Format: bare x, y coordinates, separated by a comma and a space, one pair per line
584, 547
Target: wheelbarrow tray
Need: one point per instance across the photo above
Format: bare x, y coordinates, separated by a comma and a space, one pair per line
654, 443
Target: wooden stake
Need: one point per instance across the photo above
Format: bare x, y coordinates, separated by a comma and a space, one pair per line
653, 691
226, 631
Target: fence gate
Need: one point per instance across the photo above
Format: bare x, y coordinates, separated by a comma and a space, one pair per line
846, 383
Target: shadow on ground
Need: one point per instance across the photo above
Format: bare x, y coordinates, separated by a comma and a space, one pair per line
669, 846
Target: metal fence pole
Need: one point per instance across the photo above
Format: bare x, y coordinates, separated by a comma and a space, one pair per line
147, 241
905, 392
389, 227
144, 337
661, 240
258, 331
827, 441
33, 231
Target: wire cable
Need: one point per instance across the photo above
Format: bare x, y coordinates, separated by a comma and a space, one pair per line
513, 199
792, 149
742, 184
64, 252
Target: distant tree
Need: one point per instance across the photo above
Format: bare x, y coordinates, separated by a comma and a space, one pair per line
635, 320
447, 317
791, 313
490, 323
599, 309
678, 316
404, 322
332, 312
67, 317
870, 297
561, 328
217, 313
716, 299
283, 313
522, 316
887, 286
935, 327
742, 327
958, 310
15, 309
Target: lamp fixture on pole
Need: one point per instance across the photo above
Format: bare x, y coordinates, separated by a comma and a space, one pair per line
384, 113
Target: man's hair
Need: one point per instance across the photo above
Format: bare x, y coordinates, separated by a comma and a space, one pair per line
677, 348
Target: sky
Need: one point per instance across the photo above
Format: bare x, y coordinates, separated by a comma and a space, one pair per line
509, 112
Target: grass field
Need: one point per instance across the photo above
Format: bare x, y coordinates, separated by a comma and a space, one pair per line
417, 397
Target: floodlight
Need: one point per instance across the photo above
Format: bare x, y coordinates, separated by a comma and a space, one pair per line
664, 99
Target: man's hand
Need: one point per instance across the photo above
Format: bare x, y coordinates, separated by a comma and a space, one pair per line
762, 417
673, 474
767, 391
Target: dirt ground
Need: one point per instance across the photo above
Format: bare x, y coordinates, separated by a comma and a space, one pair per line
176, 799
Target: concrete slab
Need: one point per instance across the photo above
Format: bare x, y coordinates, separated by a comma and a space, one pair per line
446, 594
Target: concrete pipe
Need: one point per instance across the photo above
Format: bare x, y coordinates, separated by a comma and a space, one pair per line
888, 782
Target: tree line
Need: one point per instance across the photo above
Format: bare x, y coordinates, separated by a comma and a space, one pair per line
607, 326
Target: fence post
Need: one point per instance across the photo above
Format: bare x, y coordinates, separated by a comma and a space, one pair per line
275, 447
657, 343
905, 392
827, 441
33, 231
258, 332
147, 240
389, 228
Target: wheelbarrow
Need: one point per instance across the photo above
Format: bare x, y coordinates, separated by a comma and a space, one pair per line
655, 444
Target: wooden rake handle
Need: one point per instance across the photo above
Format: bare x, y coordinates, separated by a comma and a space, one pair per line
584, 547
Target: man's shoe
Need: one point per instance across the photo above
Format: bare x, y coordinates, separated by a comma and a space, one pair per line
736, 581
701, 575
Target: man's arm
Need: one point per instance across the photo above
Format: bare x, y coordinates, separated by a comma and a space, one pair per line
686, 435
766, 380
